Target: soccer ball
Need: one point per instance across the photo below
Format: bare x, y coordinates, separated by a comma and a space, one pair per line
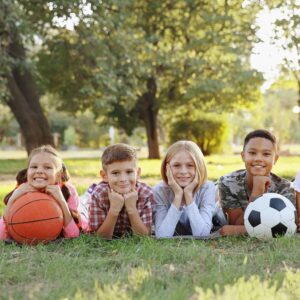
269, 216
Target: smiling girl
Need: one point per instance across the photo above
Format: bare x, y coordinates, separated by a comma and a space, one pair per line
46, 173
185, 200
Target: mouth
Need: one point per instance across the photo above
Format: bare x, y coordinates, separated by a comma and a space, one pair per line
39, 179
258, 166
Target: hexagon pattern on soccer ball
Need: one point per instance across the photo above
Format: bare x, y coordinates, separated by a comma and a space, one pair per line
270, 215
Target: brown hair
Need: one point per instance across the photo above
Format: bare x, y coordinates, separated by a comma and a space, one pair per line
196, 154
118, 152
21, 177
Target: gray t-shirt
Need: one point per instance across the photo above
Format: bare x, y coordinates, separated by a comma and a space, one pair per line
194, 219
233, 189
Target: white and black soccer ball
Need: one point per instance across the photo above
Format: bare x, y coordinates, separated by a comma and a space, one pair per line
269, 216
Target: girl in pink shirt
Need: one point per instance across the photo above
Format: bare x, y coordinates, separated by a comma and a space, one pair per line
47, 173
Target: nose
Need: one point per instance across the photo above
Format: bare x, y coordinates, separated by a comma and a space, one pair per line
258, 157
39, 170
123, 177
183, 169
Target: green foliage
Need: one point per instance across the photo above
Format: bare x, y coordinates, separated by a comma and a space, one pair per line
70, 136
209, 131
195, 52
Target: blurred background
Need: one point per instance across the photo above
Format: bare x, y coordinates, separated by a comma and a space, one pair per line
83, 74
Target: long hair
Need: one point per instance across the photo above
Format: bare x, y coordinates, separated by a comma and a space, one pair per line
196, 154
21, 176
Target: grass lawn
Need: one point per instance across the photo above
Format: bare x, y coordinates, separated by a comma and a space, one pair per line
146, 268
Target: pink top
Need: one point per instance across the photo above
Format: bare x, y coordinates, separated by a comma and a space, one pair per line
69, 231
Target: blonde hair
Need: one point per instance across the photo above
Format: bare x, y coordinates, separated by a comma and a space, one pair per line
57, 160
116, 153
196, 154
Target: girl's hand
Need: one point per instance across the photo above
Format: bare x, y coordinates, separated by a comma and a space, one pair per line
172, 182
24, 188
176, 188
116, 201
189, 190
56, 193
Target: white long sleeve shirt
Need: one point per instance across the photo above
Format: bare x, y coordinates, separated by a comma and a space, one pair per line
193, 219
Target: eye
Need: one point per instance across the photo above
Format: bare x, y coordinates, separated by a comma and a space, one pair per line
190, 165
251, 152
176, 165
130, 171
267, 154
115, 173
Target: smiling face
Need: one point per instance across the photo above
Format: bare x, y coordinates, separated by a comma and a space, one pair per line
42, 171
183, 168
259, 156
121, 176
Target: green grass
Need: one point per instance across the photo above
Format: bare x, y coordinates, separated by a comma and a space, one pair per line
146, 268
143, 268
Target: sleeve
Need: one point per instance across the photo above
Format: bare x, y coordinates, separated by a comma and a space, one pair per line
74, 205
166, 217
227, 198
296, 183
146, 211
201, 217
97, 213
4, 235
71, 230
289, 192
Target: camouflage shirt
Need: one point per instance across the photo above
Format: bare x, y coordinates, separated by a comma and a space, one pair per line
234, 193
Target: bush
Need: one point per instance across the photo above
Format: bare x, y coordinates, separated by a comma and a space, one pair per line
208, 131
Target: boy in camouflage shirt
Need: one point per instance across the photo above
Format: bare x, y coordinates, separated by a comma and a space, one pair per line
239, 188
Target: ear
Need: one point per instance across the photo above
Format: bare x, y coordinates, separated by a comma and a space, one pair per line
138, 173
243, 156
103, 175
276, 158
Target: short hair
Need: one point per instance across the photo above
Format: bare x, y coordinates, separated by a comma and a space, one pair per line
196, 154
260, 133
118, 153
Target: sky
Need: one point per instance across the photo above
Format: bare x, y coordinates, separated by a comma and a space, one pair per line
266, 57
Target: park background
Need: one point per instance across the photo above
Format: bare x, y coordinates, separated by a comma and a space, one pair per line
83, 74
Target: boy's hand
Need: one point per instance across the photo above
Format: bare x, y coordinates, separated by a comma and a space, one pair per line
260, 186
116, 202
189, 189
130, 201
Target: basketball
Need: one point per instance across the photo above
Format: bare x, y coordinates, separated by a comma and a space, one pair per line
35, 218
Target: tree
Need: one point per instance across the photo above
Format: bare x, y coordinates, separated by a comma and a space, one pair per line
18, 88
286, 35
131, 59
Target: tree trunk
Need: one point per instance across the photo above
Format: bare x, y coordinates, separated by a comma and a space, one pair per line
148, 112
24, 101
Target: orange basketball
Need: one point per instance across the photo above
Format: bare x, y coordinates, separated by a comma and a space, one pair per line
35, 218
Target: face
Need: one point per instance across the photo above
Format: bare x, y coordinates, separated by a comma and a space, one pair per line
121, 176
183, 168
42, 171
259, 156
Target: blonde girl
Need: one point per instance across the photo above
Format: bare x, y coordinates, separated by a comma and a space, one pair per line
185, 200
46, 173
